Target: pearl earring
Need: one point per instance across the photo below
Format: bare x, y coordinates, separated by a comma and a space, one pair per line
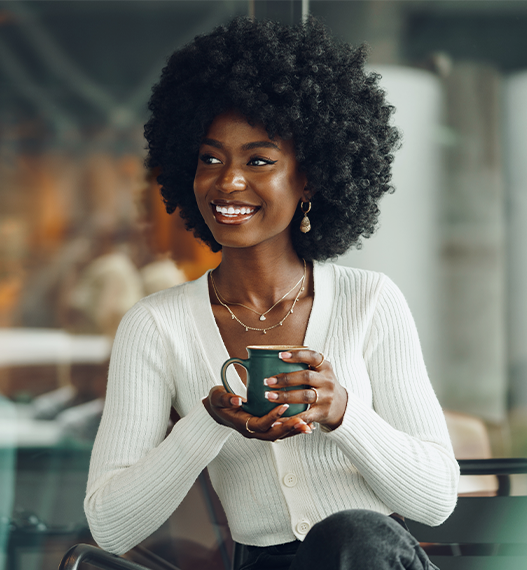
305, 224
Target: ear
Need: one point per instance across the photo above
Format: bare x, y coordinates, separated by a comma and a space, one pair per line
308, 193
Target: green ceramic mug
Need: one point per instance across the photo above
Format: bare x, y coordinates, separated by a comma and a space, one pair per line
264, 362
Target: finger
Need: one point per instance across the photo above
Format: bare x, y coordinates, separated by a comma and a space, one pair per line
302, 426
304, 396
291, 426
265, 423
280, 427
220, 398
297, 378
311, 357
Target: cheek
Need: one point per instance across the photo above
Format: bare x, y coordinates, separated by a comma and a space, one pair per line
296, 185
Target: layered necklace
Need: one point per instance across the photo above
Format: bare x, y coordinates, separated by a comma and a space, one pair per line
225, 303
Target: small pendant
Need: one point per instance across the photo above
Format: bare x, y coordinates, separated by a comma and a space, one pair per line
232, 317
264, 331
305, 226
291, 310
246, 329
262, 318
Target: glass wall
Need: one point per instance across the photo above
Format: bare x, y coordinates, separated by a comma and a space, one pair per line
84, 235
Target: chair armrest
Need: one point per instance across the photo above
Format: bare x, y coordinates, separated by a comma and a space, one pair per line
500, 466
96, 557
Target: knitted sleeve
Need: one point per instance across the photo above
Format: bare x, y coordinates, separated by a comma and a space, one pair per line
137, 476
401, 446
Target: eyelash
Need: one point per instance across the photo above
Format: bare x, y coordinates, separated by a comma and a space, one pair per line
264, 160
207, 158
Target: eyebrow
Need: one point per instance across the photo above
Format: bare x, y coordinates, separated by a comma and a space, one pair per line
248, 146
260, 144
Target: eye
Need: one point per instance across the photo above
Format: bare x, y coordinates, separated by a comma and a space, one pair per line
209, 159
259, 161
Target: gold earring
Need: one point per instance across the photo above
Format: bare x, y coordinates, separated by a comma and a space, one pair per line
305, 224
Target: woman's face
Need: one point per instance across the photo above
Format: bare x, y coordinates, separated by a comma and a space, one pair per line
247, 186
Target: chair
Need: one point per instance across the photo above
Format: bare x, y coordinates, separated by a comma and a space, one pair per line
484, 532
86, 553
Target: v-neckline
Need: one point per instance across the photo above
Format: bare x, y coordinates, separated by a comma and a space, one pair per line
214, 350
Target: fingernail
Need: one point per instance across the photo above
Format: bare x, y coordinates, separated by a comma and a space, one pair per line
283, 409
276, 424
270, 381
300, 424
285, 355
308, 430
236, 401
271, 395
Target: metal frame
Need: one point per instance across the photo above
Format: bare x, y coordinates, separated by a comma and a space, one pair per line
483, 532
86, 553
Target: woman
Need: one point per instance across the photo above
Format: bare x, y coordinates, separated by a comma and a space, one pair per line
276, 146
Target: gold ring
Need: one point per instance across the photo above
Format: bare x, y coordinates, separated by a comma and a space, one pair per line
320, 363
316, 395
247, 426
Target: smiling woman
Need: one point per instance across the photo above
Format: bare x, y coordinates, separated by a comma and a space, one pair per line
242, 176
302, 86
254, 127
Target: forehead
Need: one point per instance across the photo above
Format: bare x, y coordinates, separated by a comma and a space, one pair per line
233, 121
232, 129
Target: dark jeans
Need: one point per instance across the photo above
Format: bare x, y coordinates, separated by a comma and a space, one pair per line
349, 540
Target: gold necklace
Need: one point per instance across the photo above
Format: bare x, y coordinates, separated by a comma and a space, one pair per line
264, 330
222, 299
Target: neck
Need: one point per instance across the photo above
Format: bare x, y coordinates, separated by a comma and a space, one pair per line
258, 278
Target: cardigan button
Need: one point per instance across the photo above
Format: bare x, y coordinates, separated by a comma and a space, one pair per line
303, 527
290, 480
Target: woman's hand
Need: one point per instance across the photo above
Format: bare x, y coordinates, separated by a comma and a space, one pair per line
327, 398
226, 409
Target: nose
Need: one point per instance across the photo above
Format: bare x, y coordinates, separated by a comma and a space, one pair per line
231, 180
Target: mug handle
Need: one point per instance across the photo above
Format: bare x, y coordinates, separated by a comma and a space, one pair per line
226, 364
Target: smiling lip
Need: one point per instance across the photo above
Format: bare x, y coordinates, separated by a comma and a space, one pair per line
233, 213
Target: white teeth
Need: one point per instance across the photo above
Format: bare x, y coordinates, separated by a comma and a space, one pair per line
231, 211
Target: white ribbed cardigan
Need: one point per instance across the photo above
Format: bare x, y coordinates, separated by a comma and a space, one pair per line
392, 452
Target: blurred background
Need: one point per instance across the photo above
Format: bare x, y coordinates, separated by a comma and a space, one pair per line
84, 235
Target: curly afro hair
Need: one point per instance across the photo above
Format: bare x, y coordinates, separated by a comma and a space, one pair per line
299, 83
